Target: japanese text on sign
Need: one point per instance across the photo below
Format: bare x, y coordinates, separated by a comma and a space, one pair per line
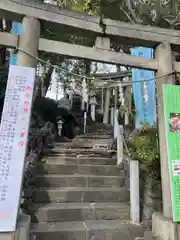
14, 129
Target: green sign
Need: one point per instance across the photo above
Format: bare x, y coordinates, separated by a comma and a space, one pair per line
171, 94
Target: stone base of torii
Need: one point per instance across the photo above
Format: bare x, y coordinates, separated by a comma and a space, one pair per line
22, 230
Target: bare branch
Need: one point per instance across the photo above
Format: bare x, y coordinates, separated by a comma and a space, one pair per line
127, 15
177, 23
167, 2
133, 14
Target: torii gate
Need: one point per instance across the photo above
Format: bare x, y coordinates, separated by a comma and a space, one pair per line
51, 16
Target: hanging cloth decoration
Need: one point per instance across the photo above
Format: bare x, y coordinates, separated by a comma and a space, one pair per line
144, 96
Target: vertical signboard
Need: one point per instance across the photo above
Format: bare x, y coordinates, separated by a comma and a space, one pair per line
144, 93
16, 30
171, 99
13, 140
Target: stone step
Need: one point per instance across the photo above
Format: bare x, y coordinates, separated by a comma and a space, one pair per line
55, 180
69, 150
80, 160
76, 152
149, 236
75, 194
78, 144
63, 212
94, 136
84, 169
87, 230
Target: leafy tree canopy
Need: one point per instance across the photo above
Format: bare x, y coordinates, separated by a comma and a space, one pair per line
164, 13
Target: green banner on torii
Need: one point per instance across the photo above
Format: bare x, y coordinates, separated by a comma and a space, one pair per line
171, 97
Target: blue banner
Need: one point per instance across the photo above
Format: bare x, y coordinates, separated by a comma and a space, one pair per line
16, 30
144, 93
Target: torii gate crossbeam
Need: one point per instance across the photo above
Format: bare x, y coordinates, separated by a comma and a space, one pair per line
83, 52
53, 17
162, 39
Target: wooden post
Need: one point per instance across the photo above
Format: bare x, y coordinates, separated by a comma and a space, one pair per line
93, 103
116, 125
106, 106
93, 112
84, 94
102, 43
112, 116
164, 57
115, 98
127, 100
126, 119
119, 144
82, 104
102, 100
28, 43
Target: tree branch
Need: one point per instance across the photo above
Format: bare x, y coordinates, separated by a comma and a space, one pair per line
167, 3
127, 15
133, 14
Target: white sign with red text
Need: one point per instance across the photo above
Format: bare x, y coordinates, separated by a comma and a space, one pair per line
14, 130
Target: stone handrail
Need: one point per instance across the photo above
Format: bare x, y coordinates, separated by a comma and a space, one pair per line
133, 171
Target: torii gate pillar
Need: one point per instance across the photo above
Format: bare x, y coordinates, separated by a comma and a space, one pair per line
104, 43
164, 57
28, 43
162, 225
28, 47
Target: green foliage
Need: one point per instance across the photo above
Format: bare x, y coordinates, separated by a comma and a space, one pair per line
143, 146
164, 13
38, 140
178, 76
123, 110
46, 109
35, 131
159, 13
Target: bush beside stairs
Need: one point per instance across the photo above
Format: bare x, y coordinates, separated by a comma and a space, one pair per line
80, 194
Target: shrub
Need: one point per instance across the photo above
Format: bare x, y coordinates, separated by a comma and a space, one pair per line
143, 146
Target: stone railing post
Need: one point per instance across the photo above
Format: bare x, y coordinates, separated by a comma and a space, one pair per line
116, 124
119, 144
134, 191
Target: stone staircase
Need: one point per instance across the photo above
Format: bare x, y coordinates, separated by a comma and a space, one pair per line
80, 195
